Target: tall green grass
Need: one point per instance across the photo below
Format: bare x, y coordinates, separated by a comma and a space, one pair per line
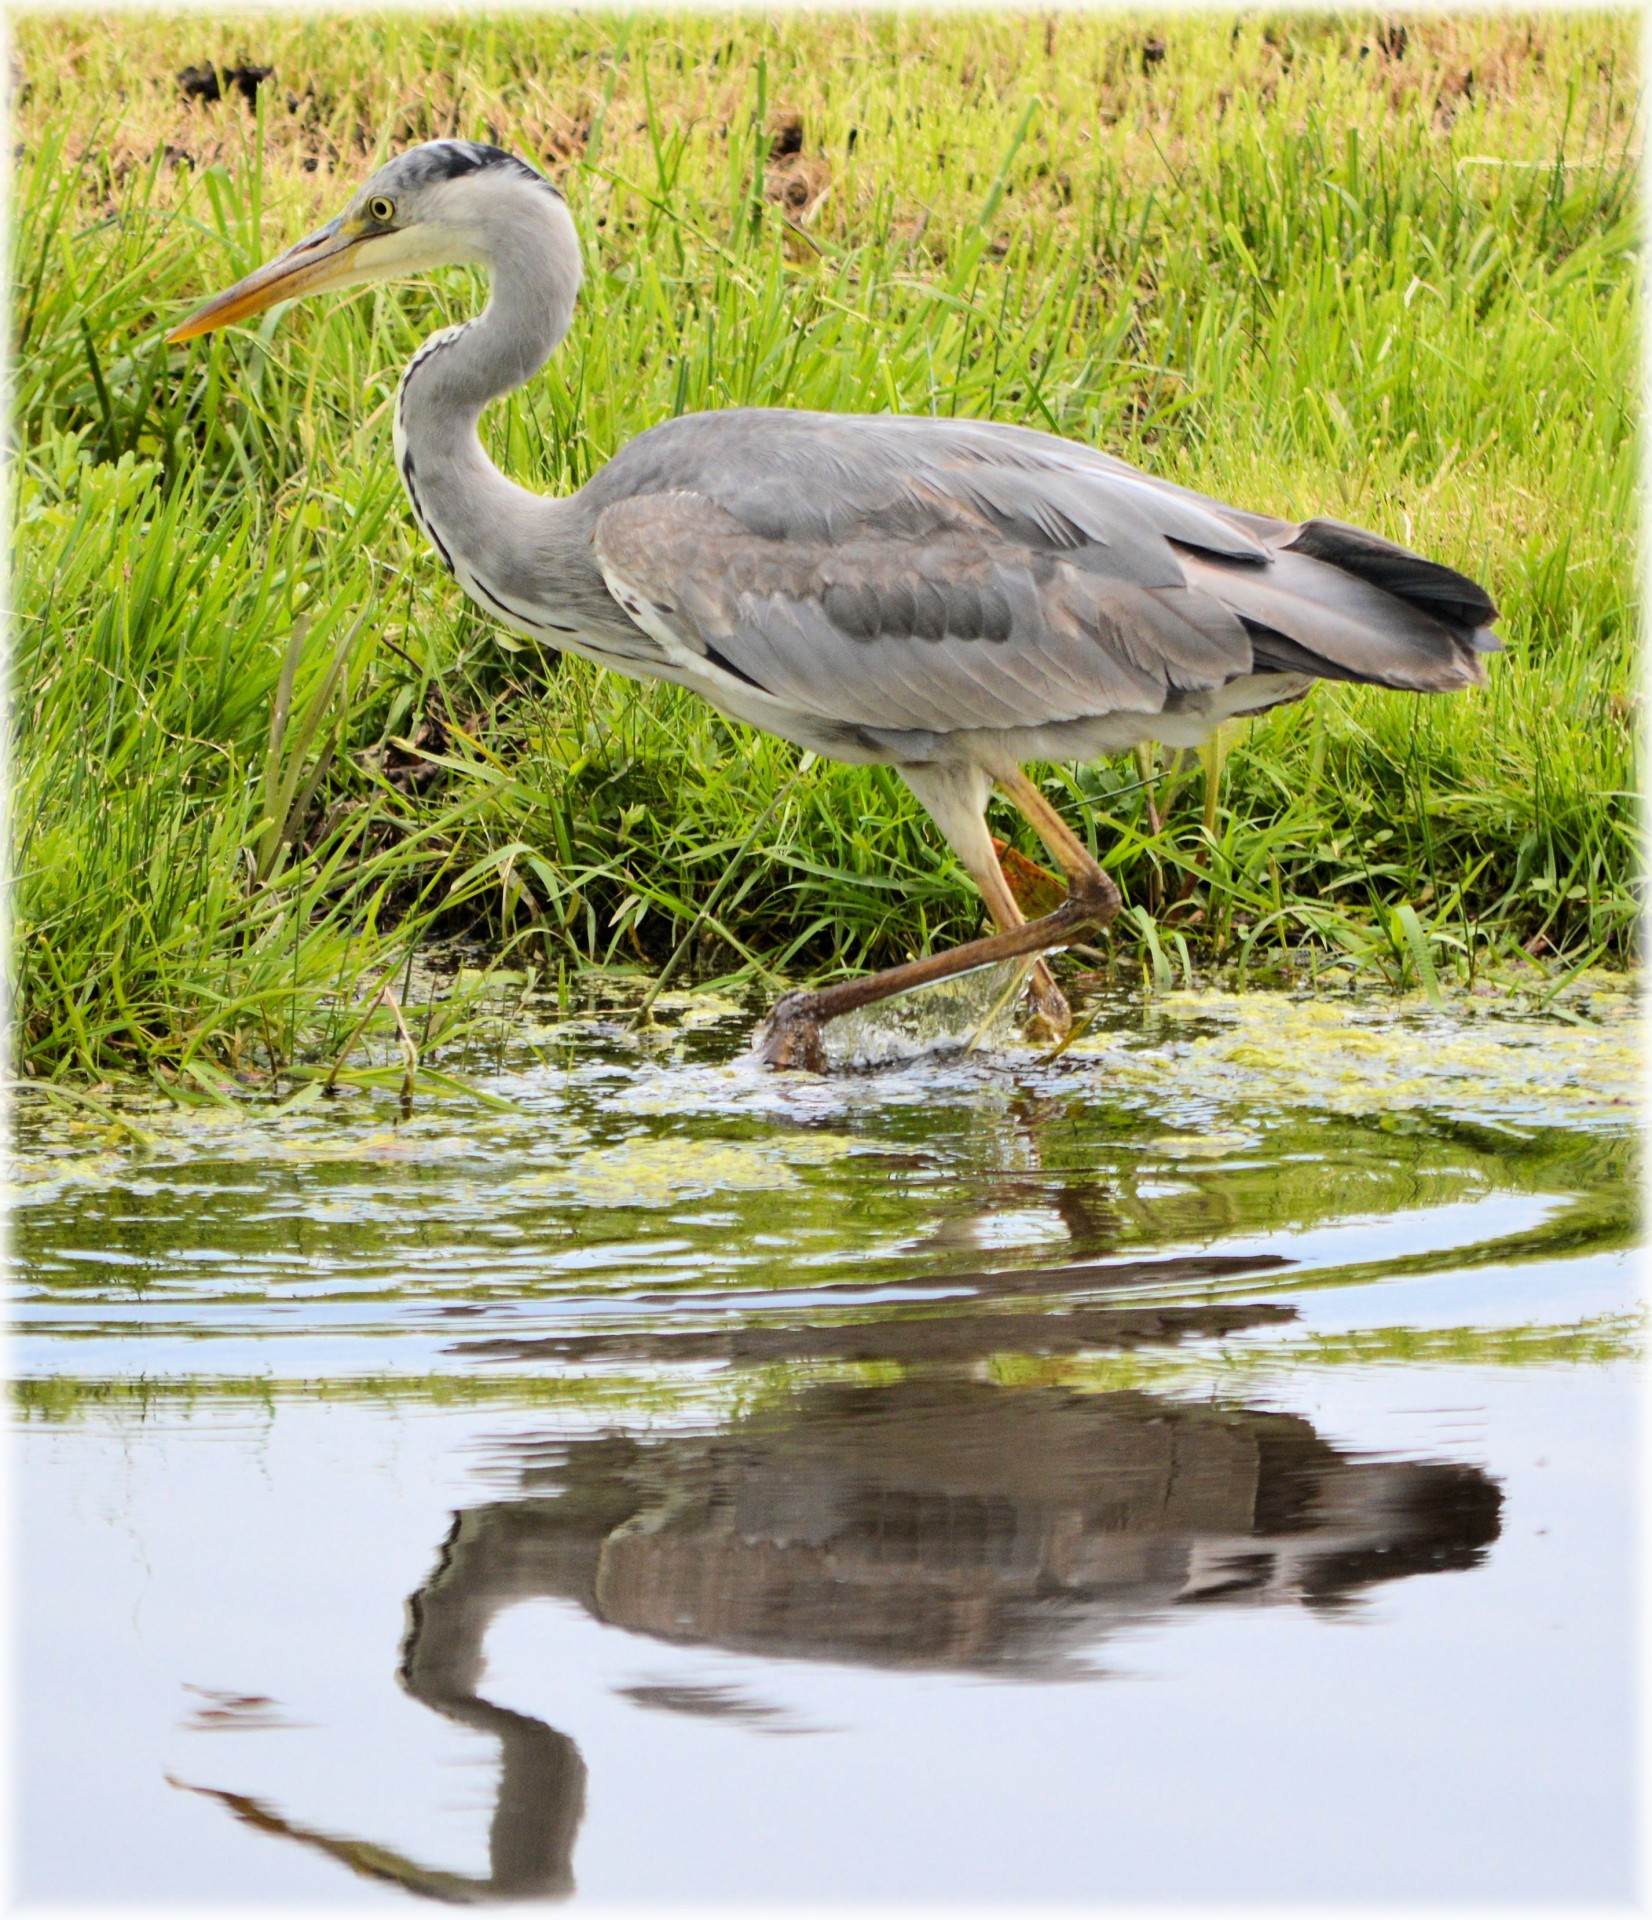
264, 749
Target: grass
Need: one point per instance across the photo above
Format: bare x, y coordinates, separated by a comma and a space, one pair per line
265, 750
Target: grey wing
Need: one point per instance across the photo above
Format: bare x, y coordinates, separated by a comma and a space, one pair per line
944, 575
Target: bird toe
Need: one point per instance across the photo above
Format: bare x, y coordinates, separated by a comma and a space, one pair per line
791, 1038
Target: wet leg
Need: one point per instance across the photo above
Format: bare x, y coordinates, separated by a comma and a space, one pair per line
1052, 1017
957, 799
791, 1035
1066, 849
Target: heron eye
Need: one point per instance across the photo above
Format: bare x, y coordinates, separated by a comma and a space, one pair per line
382, 210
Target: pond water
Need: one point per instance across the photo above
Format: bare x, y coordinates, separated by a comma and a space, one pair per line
1194, 1467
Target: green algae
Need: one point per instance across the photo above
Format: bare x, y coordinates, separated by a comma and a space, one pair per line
1379, 1056
649, 1186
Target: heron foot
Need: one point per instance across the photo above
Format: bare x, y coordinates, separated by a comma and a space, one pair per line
1051, 1018
791, 1036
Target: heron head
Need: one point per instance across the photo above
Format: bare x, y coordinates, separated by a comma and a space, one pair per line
437, 205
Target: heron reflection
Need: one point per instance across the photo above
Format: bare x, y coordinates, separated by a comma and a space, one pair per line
933, 1524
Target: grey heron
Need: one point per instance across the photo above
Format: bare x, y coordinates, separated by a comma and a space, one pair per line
953, 598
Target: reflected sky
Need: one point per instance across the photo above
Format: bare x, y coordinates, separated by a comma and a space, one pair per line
1369, 1633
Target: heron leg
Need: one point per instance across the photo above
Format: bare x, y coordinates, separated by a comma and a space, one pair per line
1052, 1017
1066, 849
791, 1036
956, 800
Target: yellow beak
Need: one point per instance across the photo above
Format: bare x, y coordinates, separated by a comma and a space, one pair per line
324, 259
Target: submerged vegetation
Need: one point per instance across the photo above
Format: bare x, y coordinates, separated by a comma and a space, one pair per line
265, 750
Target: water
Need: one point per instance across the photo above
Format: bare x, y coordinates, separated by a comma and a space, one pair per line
1193, 1468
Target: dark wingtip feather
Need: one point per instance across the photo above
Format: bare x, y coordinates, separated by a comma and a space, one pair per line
1442, 591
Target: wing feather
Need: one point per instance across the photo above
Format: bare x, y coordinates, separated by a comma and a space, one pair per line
1365, 632
939, 575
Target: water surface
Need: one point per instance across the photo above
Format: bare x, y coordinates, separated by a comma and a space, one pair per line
1195, 1467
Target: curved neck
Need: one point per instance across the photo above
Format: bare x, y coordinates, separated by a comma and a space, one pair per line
530, 250
531, 255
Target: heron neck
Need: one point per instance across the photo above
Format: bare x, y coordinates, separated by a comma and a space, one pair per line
464, 503
533, 270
